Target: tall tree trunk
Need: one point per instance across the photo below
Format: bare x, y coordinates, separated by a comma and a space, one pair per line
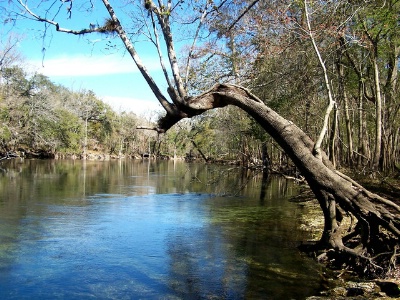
391, 123
343, 99
349, 132
363, 144
378, 113
266, 160
332, 137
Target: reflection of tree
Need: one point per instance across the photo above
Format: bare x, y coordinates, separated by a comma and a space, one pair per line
202, 266
184, 279
264, 184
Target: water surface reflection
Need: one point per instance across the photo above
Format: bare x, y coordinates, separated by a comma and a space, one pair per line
141, 229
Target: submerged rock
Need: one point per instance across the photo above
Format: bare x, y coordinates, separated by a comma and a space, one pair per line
361, 290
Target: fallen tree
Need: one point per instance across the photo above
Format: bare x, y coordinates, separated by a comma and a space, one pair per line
369, 244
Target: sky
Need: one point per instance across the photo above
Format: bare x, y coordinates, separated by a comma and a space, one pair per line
90, 62
114, 78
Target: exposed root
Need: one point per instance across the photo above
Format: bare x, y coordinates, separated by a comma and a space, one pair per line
378, 260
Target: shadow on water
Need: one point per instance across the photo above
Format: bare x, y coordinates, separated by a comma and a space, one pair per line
142, 229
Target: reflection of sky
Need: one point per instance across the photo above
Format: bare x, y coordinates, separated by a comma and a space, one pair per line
149, 245
116, 242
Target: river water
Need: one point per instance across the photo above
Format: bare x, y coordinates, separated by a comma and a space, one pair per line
149, 230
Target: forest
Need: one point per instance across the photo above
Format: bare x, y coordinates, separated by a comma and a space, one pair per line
345, 59
41, 119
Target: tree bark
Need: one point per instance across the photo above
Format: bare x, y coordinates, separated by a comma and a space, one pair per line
343, 97
333, 136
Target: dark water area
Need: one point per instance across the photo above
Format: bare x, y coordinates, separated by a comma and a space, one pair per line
149, 230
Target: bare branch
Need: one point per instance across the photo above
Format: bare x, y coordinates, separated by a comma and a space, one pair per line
57, 25
331, 102
6, 54
163, 14
194, 43
143, 70
158, 46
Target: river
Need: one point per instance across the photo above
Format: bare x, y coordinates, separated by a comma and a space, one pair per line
133, 229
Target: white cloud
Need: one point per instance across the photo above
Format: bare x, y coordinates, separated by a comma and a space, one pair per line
82, 65
141, 107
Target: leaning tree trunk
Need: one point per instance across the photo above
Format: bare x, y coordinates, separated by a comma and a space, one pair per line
378, 226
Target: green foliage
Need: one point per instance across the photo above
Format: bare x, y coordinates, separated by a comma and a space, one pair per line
70, 132
176, 140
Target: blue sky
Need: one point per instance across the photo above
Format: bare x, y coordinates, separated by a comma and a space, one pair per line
84, 62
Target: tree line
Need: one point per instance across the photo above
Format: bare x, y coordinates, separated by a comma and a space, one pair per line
42, 119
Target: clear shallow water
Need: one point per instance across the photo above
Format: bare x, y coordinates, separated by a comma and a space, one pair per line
147, 230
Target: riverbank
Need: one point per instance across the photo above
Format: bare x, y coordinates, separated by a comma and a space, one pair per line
342, 283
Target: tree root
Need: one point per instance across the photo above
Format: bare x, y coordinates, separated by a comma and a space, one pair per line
357, 259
